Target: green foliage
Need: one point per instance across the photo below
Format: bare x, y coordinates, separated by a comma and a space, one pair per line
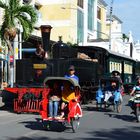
14, 14
124, 36
71, 44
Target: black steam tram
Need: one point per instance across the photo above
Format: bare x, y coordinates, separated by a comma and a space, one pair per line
91, 64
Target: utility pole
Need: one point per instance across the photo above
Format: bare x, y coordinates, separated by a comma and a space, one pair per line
110, 33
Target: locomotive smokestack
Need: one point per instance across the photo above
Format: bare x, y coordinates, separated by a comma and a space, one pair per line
45, 32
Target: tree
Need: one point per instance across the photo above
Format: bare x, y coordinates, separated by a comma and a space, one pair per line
15, 13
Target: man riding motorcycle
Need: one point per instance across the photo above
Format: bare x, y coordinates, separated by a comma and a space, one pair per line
135, 93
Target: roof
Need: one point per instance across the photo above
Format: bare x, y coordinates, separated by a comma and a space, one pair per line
114, 17
120, 55
103, 3
110, 52
73, 81
111, 79
32, 41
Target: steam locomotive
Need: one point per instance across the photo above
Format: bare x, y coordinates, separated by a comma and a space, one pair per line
91, 64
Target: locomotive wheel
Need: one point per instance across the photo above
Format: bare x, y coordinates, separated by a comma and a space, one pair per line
138, 114
75, 124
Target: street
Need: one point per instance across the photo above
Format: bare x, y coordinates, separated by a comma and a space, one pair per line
94, 125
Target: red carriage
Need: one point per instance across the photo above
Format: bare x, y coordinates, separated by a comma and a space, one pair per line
25, 99
73, 111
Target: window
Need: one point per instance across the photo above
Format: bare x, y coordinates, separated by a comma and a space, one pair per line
99, 33
80, 26
110, 66
90, 14
80, 3
99, 13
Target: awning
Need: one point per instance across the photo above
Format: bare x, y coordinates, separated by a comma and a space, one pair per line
28, 49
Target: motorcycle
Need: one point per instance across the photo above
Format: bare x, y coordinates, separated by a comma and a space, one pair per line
136, 106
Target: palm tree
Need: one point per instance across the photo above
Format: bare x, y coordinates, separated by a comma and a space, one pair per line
14, 14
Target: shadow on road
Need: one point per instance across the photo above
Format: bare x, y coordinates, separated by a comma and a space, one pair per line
127, 118
34, 138
39, 125
131, 133
92, 107
26, 138
8, 108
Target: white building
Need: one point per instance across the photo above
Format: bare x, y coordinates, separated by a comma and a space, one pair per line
93, 27
136, 52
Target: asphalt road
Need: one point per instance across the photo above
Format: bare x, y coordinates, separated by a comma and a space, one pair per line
94, 125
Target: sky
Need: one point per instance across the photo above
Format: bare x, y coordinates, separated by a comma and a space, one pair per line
128, 12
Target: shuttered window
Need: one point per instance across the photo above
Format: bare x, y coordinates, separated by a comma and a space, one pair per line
80, 3
90, 14
80, 25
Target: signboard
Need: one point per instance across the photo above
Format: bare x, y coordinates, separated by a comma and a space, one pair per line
39, 66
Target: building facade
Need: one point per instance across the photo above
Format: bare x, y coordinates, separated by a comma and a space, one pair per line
101, 19
74, 20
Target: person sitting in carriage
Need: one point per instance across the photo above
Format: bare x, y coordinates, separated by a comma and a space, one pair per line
100, 94
112, 94
117, 75
54, 100
67, 95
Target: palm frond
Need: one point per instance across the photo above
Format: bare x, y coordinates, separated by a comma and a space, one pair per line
14, 12
29, 10
27, 26
13, 4
3, 5
3, 26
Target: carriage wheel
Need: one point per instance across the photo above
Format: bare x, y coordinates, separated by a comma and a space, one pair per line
46, 125
98, 106
75, 122
138, 114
